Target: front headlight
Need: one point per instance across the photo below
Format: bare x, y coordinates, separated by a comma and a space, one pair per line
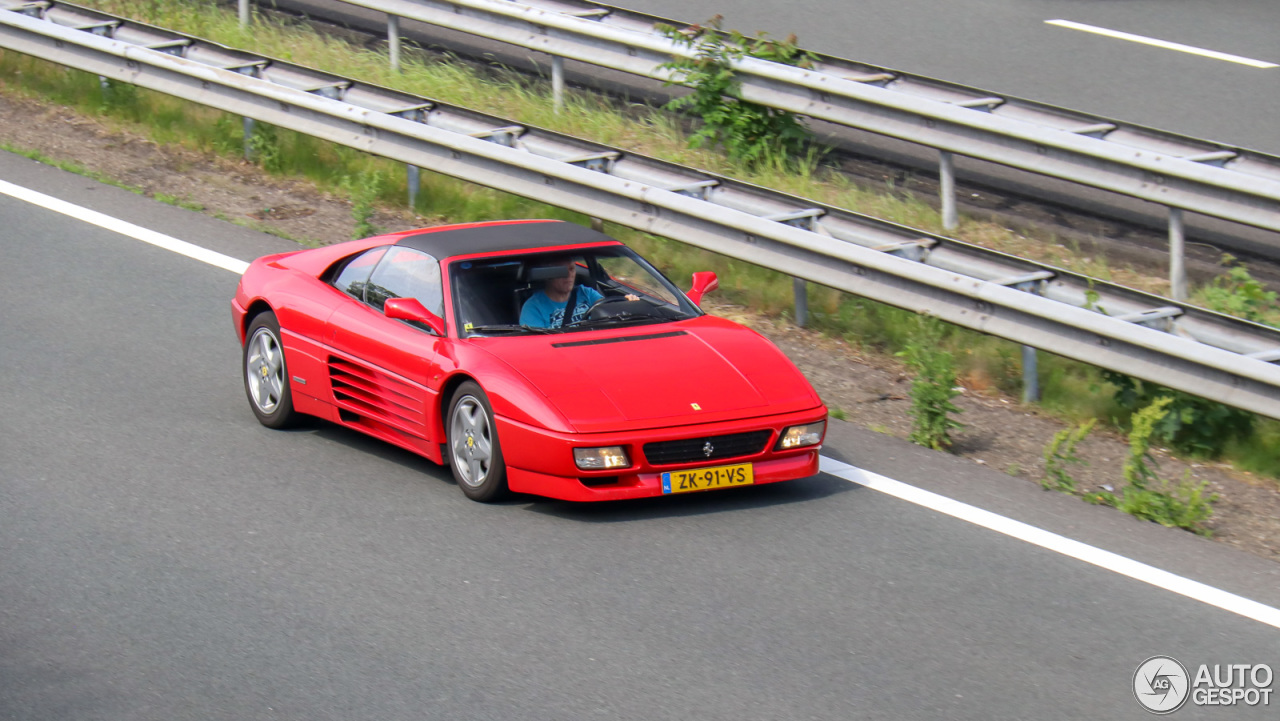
810, 434
598, 459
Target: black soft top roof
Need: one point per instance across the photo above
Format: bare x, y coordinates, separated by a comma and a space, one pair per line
522, 235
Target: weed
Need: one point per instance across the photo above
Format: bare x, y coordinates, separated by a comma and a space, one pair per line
1147, 495
264, 148
364, 190
1061, 453
751, 133
183, 203
1238, 293
838, 414
1192, 425
880, 428
120, 98
933, 387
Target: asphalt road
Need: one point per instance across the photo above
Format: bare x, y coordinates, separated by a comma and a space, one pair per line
162, 556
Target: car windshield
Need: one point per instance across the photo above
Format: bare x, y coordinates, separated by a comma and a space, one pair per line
521, 294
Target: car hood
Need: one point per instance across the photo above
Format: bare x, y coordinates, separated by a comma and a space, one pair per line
702, 370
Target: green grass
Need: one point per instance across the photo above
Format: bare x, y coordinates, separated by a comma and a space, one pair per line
1070, 389
183, 203
70, 167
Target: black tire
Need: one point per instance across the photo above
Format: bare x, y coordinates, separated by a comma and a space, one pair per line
266, 378
474, 454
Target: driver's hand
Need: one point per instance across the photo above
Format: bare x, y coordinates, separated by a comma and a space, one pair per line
632, 296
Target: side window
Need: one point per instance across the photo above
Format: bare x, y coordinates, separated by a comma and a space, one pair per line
354, 277
406, 273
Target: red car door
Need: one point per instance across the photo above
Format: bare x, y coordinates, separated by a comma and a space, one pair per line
381, 367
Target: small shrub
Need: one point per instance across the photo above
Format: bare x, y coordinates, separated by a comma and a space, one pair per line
1192, 425
1240, 294
363, 191
120, 98
1146, 495
751, 133
264, 148
1061, 453
1100, 498
839, 414
933, 387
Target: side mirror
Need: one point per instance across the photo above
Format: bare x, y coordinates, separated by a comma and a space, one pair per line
704, 281
411, 309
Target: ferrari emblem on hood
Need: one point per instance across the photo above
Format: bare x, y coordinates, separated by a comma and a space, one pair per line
695, 406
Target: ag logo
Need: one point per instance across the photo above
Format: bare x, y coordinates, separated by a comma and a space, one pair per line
1161, 684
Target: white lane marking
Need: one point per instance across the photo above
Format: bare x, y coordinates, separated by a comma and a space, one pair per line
1058, 544
116, 225
963, 511
1162, 44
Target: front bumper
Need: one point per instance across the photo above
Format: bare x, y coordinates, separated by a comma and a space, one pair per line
541, 461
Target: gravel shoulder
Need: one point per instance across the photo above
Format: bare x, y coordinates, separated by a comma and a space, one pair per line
999, 432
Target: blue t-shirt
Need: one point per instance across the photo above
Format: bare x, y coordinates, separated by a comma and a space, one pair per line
542, 312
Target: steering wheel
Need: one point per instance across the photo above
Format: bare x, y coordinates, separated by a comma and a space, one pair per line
601, 308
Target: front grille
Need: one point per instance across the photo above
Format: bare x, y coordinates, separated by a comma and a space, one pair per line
689, 450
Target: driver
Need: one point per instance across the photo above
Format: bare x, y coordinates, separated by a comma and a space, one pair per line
545, 309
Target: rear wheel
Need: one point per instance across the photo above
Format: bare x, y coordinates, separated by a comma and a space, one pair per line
475, 457
266, 379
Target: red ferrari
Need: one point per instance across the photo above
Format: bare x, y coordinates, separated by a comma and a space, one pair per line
535, 356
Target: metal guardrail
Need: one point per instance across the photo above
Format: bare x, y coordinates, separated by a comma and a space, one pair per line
1138, 334
1181, 173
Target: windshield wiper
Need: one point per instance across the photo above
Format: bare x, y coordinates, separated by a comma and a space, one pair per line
508, 328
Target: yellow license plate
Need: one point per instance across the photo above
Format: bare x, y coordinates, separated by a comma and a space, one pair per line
705, 479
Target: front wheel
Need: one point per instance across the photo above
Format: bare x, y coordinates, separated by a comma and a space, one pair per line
475, 456
266, 380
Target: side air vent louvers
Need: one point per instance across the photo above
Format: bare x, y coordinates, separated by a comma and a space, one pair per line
369, 393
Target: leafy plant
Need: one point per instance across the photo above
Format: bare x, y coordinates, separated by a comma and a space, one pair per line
264, 147
363, 190
933, 387
1240, 294
1147, 495
119, 97
1061, 453
751, 133
1137, 466
1193, 425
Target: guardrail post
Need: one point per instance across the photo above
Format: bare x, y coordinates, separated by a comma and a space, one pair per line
801, 289
393, 40
557, 83
244, 13
1030, 375
947, 189
248, 138
1177, 251
597, 224
415, 183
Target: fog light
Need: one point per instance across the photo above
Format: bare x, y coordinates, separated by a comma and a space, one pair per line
598, 459
810, 434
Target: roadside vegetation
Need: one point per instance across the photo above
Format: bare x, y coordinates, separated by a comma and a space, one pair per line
736, 139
